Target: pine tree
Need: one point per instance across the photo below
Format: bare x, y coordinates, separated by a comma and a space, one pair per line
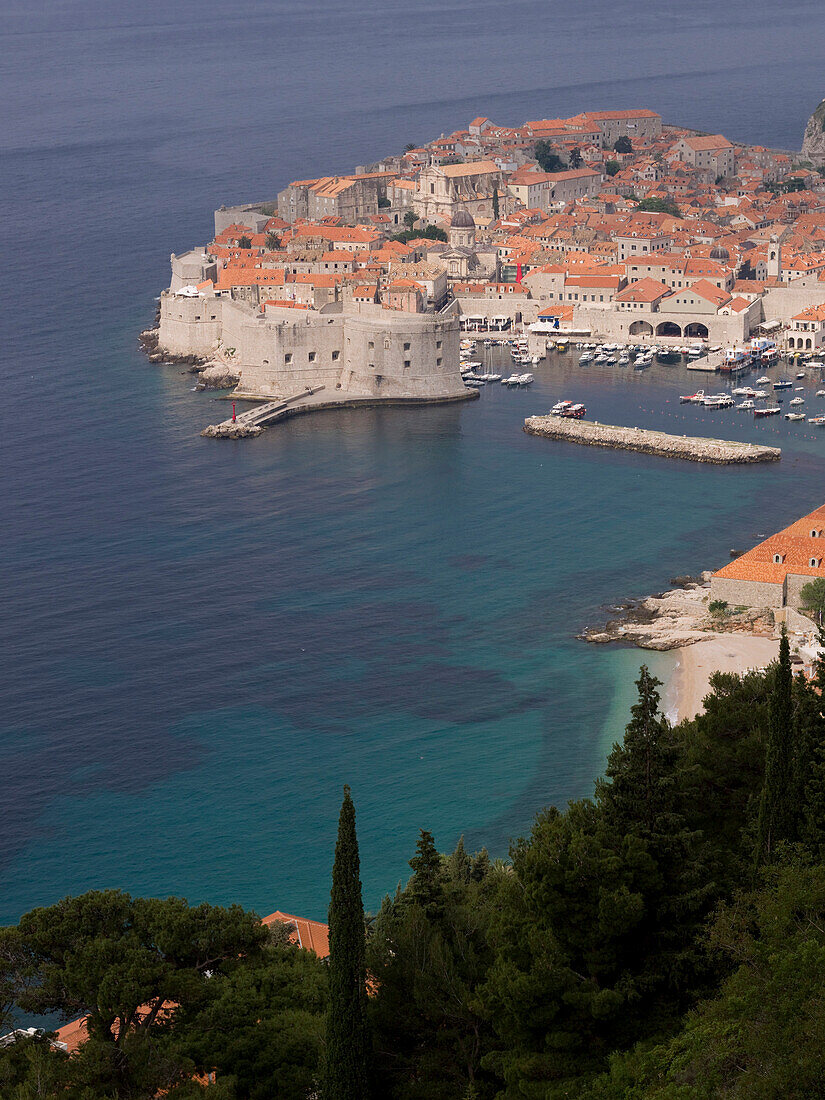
347, 1045
426, 885
640, 794
459, 864
777, 810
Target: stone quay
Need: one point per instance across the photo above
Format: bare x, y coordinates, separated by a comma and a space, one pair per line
718, 451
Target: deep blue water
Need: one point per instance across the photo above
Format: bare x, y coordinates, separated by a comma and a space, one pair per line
203, 642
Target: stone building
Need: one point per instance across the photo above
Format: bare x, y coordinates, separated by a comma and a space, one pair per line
773, 573
442, 189
351, 198
355, 351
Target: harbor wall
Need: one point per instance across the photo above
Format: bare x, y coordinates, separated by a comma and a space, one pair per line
719, 452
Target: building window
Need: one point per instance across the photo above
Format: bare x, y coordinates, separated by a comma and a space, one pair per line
312, 357
407, 347
437, 344
407, 363
371, 345
815, 563
288, 357
778, 559
336, 355
438, 361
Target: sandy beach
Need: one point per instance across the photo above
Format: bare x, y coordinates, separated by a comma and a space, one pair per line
720, 653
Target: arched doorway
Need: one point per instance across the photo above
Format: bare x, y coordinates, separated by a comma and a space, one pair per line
640, 328
790, 342
668, 328
808, 343
697, 330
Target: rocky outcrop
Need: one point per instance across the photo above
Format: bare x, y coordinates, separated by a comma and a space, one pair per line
218, 376
149, 345
720, 452
679, 617
813, 143
231, 430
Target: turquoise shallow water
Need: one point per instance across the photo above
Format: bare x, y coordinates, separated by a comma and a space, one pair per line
202, 642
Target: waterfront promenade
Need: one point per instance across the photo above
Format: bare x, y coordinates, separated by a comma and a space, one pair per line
717, 451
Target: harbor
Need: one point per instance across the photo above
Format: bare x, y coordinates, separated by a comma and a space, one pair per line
719, 452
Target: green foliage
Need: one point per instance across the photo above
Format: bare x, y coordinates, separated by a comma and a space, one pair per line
778, 804
383, 202
428, 1030
812, 595
612, 167
660, 206
718, 607
273, 241
430, 233
346, 1057
262, 1026
575, 157
244, 242
548, 159
763, 1036
410, 218
121, 962
623, 144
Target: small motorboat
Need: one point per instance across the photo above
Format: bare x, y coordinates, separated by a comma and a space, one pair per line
771, 410
782, 384
798, 401
763, 381
746, 405
801, 374
794, 416
819, 421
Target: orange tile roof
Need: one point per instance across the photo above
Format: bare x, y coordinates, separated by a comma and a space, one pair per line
794, 545
312, 935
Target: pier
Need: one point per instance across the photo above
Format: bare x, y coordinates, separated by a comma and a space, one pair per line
720, 452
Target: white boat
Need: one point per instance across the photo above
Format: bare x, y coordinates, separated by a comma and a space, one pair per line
624, 360
474, 383
760, 394
763, 381
559, 407
818, 420
586, 358
820, 393
801, 374
535, 359
525, 379
794, 416
746, 405
798, 401
718, 401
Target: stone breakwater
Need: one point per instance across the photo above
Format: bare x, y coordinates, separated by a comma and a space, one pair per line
592, 434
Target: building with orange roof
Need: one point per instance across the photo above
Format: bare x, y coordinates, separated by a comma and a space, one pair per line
773, 573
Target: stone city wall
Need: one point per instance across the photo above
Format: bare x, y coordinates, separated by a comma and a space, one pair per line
745, 593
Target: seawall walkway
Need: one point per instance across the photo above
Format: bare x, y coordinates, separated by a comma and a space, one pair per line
695, 449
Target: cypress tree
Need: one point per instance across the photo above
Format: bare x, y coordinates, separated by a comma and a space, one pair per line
347, 1054
777, 810
495, 203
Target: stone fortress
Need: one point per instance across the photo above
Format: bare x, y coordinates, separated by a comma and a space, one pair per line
364, 352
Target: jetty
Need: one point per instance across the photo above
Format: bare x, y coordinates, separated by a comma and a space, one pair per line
720, 452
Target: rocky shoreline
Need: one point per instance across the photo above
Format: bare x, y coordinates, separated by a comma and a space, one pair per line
212, 373
678, 617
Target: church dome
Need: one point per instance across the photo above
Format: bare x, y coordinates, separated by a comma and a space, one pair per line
462, 219
719, 253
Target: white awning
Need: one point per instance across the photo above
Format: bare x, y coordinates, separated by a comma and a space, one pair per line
769, 326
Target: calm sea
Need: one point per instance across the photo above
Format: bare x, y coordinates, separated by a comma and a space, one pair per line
201, 641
